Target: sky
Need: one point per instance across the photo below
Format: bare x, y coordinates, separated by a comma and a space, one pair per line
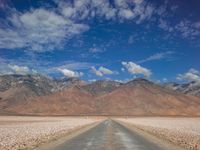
101, 39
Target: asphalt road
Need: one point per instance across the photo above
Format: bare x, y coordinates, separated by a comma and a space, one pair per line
108, 135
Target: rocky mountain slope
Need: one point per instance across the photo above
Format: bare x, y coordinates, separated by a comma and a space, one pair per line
16, 89
101, 87
142, 97
40, 85
192, 88
35, 95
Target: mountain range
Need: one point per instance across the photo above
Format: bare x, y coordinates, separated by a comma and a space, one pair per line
192, 88
41, 95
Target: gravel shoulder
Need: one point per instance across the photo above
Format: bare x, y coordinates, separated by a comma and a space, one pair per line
184, 132
17, 132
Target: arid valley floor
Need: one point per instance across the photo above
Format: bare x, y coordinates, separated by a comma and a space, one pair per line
98, 133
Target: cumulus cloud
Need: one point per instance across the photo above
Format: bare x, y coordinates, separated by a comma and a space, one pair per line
12, 67
97, 72
15, 69
101, 71
41, 29
19, 69
157, 56
188, 29
191, 75
134, 68
126, 13
38, 30
122, 9
69, 73
165, 26
184, 27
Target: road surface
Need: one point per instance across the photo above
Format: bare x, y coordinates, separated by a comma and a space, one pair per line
109, 135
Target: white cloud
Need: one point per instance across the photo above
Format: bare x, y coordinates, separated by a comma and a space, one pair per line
76, 65
15, 69
126, 14
3, 5
197, 24
191, 75
157, 56
69, 73
185, 28
144, 13
44, 29
105, 70
164, 80
121, 3
49, 29
165, 26
19, 69
39, 30
97, 72
95, 50
101, 71
10, 66
68, 11
134, 68
122, 69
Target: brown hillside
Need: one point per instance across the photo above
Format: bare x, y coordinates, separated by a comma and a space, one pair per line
138, 97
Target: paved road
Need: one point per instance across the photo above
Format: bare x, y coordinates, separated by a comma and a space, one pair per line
108, 135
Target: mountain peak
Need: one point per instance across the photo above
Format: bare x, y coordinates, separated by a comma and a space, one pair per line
102, 86
139, 81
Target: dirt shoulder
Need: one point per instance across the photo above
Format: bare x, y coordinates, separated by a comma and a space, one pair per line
184, 132
29, 133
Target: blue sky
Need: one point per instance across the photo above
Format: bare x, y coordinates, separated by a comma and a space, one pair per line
101, 39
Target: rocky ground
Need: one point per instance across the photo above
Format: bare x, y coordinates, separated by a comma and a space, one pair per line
181, 131
28, 132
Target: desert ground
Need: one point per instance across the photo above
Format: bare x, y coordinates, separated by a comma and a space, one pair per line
18, 132
180, 131
143, 133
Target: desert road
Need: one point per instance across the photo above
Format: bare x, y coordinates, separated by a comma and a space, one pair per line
109, 135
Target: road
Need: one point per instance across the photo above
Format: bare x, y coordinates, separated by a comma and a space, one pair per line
109, 135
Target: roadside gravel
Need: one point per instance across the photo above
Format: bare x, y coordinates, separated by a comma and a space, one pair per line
28, 132
181, 131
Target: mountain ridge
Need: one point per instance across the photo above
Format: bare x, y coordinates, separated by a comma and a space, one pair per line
73, 96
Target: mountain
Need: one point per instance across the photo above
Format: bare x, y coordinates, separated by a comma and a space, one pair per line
142, 97
70, 101
40, 85
192, 88
72, 96
16, 89
101, 87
